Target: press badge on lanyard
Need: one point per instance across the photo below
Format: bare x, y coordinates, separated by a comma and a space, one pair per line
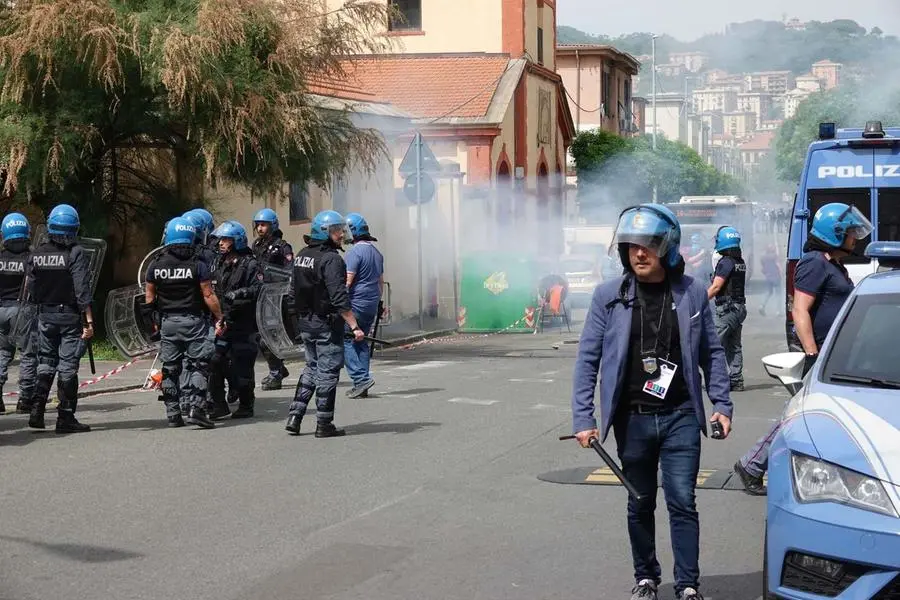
659, 387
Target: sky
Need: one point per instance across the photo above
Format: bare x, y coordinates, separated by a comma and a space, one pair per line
690, 19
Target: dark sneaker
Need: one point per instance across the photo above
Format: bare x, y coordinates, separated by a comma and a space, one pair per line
284, 372
328, 430
293, 425
752, 485
199, 418
274, 383
644, 590
23, 408
689, 594
220, 411
358, 391
2, 407
36, 420
232, 396
69, 424
242, 412
176, 421
737, 386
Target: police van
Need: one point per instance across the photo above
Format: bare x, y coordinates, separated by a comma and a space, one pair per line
859, 167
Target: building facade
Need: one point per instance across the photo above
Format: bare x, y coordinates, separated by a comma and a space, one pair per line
671, 117
739, 124
828, 72
693, 62
774, 82
717, 99
759, 103
599, 81
792, 101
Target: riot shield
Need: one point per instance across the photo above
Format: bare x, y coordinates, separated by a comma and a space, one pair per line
126, 324
276, 274
275, 327
145, 264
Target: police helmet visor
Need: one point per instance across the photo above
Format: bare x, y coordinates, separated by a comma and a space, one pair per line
644, 227
856, 224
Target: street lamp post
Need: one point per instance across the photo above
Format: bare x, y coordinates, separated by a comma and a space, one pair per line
653, 83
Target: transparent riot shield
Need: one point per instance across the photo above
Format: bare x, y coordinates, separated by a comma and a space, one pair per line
95, 251
126, 324
145, 264
276, 274
275, 327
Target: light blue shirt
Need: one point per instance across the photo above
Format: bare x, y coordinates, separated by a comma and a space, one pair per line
367, 264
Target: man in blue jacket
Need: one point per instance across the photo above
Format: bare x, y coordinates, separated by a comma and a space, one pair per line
648, 334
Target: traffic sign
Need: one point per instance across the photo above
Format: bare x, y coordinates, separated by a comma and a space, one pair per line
429, 162
427, 193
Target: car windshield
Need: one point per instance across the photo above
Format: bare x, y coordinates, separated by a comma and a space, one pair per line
577, 266
864, 351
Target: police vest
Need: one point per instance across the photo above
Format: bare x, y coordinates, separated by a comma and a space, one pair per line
271, 251
177, 284
51, 271
12, 273
733, 290
310, 293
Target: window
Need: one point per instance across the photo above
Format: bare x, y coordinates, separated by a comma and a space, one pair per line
866, 343
605, 84
860, 198
888, 227
410, 15
540, 45
299, 202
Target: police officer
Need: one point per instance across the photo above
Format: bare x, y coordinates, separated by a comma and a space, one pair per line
204, 250
16, 234
697, 259
270, 248
649, 368
728, 289
821, 287
179, 286
59, 283
365, 281
321, 307
237, 281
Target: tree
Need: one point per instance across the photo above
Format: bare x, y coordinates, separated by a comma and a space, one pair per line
115, 105
615, 172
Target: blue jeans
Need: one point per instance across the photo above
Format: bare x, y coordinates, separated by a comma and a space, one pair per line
646, 443
356, 354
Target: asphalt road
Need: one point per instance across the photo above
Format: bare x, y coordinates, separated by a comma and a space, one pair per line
433, 494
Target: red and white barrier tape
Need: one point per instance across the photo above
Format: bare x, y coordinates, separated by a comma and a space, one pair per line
115, 371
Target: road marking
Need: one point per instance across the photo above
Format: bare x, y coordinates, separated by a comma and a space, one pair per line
550, 407
548, 373
531, 381
472, 401
431, 364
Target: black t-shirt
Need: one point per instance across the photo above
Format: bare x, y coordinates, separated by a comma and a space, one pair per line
661, 340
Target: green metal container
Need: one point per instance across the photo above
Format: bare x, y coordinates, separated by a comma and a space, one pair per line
498, 292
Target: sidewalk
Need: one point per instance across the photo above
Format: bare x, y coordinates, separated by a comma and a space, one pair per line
132, 377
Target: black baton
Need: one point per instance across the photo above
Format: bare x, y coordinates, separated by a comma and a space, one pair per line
375, 329
595, 444
368, 338
90, 348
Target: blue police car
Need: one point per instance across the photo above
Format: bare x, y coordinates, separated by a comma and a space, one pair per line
833, 517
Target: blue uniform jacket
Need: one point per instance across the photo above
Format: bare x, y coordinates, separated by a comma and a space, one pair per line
604, 348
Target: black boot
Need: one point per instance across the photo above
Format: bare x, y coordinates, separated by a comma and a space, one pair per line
67, 423
36, 420
176, 421
293, 425
232, 396
200, 418
284, 372
328, 430
245, 410
273, 383
23, 407
219, 411
2, 405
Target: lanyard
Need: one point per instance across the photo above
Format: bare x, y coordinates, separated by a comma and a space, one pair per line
662, 313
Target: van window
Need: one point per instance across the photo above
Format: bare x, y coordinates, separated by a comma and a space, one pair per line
888, 227
860, 198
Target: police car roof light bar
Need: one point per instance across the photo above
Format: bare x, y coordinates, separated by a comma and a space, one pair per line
873, 129
883, 250
827, 131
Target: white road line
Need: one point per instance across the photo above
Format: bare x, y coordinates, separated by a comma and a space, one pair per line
472, 401
552, 407
531, 381
431, 364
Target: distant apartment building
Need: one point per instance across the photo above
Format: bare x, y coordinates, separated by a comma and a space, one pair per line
809, 83
828, 72
771, 125
714, 121
759, 103
754, 150
792, 100
735, 83
725, 155
599, 82
711, 77
739, 124
716, 99
693, 62
671, 117
671, 70
698, 136
774, 82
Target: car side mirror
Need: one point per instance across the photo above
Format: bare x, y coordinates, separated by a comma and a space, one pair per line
786, 367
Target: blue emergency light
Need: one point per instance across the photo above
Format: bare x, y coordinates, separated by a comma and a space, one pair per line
887, 254
827, 131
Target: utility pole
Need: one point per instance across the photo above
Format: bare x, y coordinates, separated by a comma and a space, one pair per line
653, 82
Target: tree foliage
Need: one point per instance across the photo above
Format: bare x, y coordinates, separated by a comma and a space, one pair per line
124, 106
615, 172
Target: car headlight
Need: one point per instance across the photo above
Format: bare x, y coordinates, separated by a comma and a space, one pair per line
819, 481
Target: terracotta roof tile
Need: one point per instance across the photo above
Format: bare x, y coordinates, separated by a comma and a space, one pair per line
761, 141
431, 86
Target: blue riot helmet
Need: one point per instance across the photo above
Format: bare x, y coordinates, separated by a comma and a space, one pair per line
652, 226
234, 231
833, 222
180, 231
266, 215
324, 223
357, 225
198, 223
15, 227
63, 220
727, 238
205, 218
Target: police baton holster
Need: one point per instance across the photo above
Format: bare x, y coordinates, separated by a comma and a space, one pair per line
595, 444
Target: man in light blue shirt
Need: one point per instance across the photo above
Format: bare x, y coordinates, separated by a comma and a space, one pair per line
365, 282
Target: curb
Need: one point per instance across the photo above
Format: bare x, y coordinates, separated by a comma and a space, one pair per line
421, 337
110, 390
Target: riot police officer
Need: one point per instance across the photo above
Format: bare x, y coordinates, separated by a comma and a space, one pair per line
728, 288
270, 248
179, 285
237, 281
16, 234
204, 250
321, 305
59, 283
